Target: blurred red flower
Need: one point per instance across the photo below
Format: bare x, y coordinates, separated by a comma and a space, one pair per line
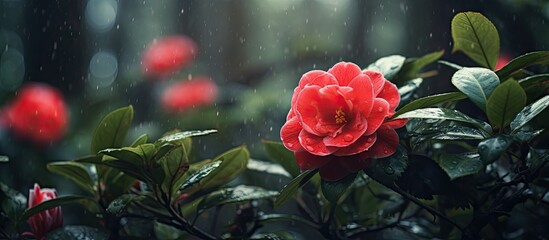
337, 120
167, 55
38, 114
47, 220
503, 59
187, 94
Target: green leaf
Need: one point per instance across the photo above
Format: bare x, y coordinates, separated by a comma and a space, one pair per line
460, 165
423, 178
120, 204
334, 190
167, 232
411, 67
174, 164
4, 158
535, 86
291, 188
526, 136
195, 178
76, 172
529, 112
177, 137
279, 154
139, 155
55, 203
408, 90
430, 101
476, 83
388, 66
536, 157
387, 170
459, 133
77, 233
112, 129
140, 140
239, 193
450, 64
12, 202
491, 149
504, 103
233, 162
533, 58
280, 235
445, 114
477, 37
267, 167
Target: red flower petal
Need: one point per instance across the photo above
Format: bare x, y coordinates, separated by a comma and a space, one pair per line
313, 78
316, 108
391, 95
362, 94
360, 145
385, 145
377, 116
314, 144
350, 133
344, 72
377, 80
333, 171
307, 161
289, 134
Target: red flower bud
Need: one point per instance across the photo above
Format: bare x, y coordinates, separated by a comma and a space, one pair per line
47, 220
337, 120
38, 114
187, 94
167, 55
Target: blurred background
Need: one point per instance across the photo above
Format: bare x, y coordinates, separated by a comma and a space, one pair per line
254, 52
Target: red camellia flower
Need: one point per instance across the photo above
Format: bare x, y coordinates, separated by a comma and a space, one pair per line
503, 59
167, 55
47, 220
188, 94
337, 121
38, 114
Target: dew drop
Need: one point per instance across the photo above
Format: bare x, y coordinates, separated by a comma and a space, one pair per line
290, 145
370, 140
389, 170
310, 149
380, 109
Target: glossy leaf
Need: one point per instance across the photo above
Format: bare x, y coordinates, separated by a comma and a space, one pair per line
177, 137
12, 202
505, 102
537, 157
450, 64
460, 165
408, 90
387, 170
233, 195
529, 112
112, 129
279, 154
526, 136
334, 190
267, 167
477, 37
476, 83
423, 178
388, 66
167, 232
445, 114
120, 204
77, 233
195, 178
140, 140
430, 101
535, 86
491, 149
174, 164
459, 133
233, 162
291, 188
411, 67
137, 155
532, 58
56, 202
4, 159
76, 172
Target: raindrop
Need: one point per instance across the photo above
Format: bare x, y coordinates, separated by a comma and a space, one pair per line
389, 170
309, 148
348, 137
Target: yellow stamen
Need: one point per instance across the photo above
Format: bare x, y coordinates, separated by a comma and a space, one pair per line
340, 116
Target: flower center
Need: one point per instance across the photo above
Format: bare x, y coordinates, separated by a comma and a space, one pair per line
340, 116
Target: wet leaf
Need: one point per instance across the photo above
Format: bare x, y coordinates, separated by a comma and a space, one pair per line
387, 170
4, 159
505, 102
459, 165
200, 174
423, 178
526, 136
334, 190
445, 114
459, 133
55, 203
120, 204
78, 233
528, 59
167, 232
177, 137
536, 157
477, 37
279, 235
411, 67
388, 66
112, 129
233, 162
476, 83
491, 149
529, 112
450, 64
174, 164
233, 195
140, 140
12, 202
291, 188
430, 101
408, 90
535, 86
279, 154
76, 172
267, 167
139, 155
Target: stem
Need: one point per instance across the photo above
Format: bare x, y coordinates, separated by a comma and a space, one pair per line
216, 216
186, 225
